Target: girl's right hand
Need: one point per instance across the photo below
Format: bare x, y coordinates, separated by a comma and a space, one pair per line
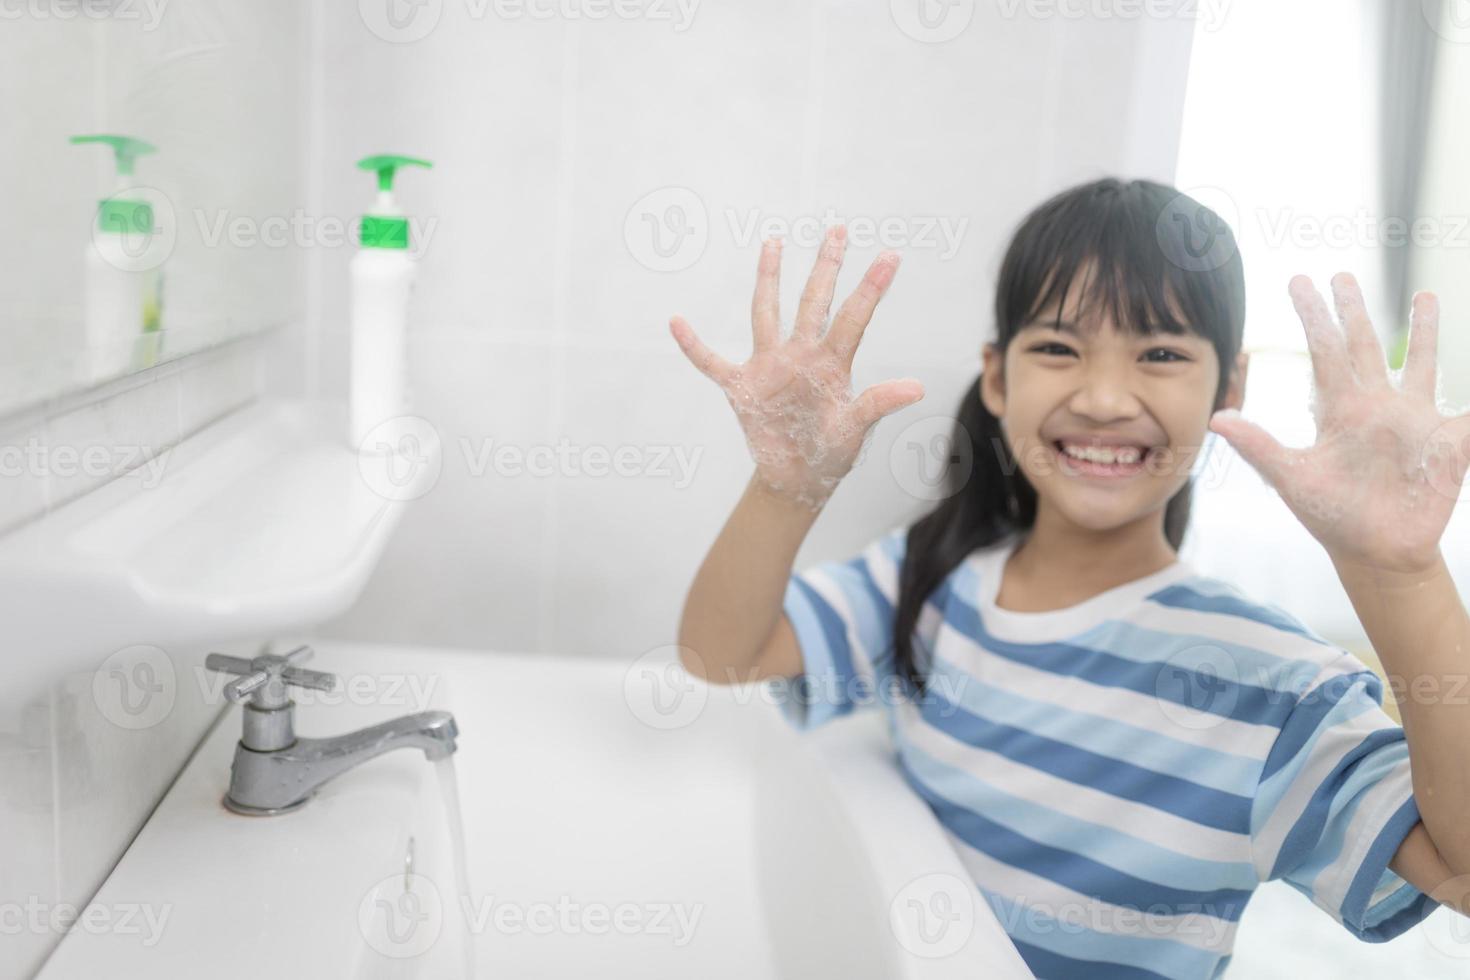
793, 397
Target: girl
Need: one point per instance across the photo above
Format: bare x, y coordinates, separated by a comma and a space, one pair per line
1120, 748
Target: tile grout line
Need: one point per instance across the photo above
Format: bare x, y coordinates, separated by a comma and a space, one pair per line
565, 232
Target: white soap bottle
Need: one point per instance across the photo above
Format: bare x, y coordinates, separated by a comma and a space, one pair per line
123, 259
382, 276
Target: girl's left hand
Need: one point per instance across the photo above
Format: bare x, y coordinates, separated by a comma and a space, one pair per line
1379, 485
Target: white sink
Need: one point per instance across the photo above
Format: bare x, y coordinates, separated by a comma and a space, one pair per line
263, 524
600, 842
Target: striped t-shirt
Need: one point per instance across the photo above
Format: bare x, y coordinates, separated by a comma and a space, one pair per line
1119, 775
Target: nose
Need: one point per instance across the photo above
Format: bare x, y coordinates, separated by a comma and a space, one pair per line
1105, 393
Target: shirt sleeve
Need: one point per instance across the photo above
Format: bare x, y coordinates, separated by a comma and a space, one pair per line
842, 613
1334, 803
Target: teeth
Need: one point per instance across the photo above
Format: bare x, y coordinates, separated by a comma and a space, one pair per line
1104, 454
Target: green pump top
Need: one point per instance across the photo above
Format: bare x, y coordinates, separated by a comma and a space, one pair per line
125, 149
385, 226
120, 214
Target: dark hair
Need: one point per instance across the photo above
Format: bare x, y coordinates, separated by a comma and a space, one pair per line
1158, 260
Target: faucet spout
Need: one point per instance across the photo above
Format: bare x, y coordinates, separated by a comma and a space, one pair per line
276, 772
267, 783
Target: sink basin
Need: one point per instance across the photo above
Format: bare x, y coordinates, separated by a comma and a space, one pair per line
604, 837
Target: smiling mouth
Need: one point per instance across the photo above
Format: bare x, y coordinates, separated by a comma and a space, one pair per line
1108, 462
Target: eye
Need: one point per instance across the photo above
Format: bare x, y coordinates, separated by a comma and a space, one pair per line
1170, 357
1051, 347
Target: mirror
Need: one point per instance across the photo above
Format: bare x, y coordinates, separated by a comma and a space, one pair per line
151, 153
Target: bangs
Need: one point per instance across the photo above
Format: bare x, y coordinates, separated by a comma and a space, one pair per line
1127, 250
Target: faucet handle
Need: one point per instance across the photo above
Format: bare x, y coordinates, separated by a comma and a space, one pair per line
269, 674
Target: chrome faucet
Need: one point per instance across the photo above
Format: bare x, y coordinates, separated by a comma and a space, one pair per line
276, 772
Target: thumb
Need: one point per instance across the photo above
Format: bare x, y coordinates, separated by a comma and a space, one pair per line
1254, 444
885, 398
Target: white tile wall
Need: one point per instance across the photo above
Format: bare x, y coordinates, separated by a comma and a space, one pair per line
535, 322
85, 755
58, 451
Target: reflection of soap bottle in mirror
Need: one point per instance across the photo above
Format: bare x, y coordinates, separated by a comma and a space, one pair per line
382, 274
124, 274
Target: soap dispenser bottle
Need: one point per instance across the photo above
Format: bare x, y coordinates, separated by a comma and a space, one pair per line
124, 278
382, 275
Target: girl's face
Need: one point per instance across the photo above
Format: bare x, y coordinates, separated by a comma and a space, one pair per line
1104, 424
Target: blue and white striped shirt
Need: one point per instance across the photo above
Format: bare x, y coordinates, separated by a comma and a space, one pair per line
1118, 776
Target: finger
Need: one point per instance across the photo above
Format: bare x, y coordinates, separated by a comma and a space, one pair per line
1363, 347
885, 398
1254, 444
857, 311
1420, 362
1331, 369
710, 364
816, 299
765, 309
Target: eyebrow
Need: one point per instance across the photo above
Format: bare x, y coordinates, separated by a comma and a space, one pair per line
1068, 327
1064, 326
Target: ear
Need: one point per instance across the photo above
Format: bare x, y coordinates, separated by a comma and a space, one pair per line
993, 381
1235, 389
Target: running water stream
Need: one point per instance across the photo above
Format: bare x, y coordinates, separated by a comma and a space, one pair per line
463, 902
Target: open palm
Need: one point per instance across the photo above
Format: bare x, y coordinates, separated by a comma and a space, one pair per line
1387, 469
793, 397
